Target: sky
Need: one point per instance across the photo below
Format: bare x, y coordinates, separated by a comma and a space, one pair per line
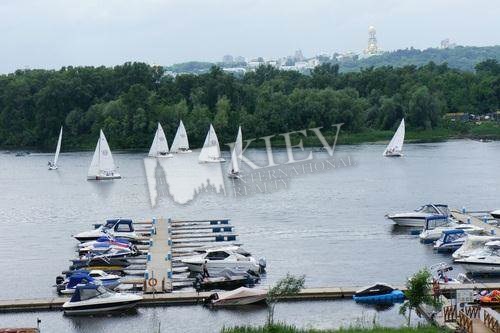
54, 33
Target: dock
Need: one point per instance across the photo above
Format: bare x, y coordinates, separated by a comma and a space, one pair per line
472, 218
158, 275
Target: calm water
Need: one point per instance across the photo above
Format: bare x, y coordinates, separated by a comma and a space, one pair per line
329, 226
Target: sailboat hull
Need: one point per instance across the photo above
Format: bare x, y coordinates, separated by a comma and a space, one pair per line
393, 155
234, 175
216, 160
183, 151
115, 176
53, 167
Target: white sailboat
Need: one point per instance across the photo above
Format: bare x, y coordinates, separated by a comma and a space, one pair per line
395, 147
102, 166
181, 143
53, 164
234, 167
210, 153
159, 148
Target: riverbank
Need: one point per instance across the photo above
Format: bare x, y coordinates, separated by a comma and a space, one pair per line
283, 328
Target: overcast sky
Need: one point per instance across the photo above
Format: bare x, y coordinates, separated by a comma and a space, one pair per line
54, 33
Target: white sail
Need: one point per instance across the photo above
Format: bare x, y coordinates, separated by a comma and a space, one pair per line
211, 150
58, 149
234, 166
395, 147
180, 143
103, 165
160, 144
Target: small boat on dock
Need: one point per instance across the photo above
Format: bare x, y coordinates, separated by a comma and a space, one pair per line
159, 147
120, 228
418, 217
210, 153
217, 260
102, 166
378, 293
93, 299
82, 277
395, 146
180, 145
473, 245
53, 164
237, 297
226, 280
450, 240
436, 225
485, 263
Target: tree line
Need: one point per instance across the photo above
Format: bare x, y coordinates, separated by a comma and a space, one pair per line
127, 101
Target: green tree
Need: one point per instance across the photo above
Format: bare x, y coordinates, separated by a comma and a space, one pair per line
288, 286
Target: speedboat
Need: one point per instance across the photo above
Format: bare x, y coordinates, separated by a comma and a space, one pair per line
417, 217
434, 227
91, 298
226, 280
473, 245
240, 296
218, 259
491, 299
450, 240
68, 286
122, 228
495, 214
440, 272
378, 293
111, 257
487, 262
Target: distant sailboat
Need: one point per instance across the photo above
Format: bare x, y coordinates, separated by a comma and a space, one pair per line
159, 148
102, 166
53, 164
210, 153
181, 143
234, 167
395, 147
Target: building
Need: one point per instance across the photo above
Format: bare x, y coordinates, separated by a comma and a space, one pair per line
227, 59
372, 48
446, 44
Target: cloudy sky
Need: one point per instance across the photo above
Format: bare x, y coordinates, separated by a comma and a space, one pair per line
54, 33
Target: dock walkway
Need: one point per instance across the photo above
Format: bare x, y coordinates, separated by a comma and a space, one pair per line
474, 220
159, 264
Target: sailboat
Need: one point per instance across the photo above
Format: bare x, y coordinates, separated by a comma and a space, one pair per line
102, 166
234, 167
395, 147
210, 153
53, 164
159, 148
181, 143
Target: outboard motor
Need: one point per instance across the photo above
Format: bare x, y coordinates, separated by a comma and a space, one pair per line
262, 265
59, 280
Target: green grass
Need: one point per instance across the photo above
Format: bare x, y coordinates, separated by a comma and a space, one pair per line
282, 328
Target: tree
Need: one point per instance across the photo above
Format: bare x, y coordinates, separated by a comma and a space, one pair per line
418, 292
288, 286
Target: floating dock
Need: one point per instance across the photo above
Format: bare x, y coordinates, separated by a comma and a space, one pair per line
470, 217
158, 275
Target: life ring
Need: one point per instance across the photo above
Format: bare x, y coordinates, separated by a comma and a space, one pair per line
152, 282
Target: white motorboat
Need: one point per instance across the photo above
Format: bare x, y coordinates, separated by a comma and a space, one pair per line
102, 166
180, 145
450, 241
234, 167
486, 263
440, 272
417, 217
83, 277
159, 147
218, 259
433, 229
53, 164
91, 298
121, 228
473, 245
395, 146
240, 296
210, 153
495, 214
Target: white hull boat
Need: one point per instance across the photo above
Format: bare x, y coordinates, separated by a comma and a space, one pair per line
180, 145
53, 164
116, 228
210, 153
395, 146
233, 171
495, 214
237, 297
217, 260
159, 147
473, 245
418, 217
487, 262
432, 235
103, 166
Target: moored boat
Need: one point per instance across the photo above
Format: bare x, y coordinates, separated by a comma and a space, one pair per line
122, 228
417, 218
378, 293
240, 296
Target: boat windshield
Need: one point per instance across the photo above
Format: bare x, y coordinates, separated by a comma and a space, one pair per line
427, 209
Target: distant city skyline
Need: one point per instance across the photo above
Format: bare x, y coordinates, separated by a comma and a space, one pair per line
50, 33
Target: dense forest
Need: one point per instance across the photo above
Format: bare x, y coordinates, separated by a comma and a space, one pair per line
126, 101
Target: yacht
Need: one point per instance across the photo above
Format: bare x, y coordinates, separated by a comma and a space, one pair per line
417, 217
122, 228
92, 298
217, 260
487, 262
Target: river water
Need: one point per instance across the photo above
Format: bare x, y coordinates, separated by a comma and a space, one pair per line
327, 224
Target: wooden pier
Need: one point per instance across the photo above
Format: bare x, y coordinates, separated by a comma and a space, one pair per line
472, 218
158, 275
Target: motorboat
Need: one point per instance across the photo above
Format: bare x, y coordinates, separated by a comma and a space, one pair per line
395, 146
485, 263
111, 257
495, 214
226, 280
440, 274
159, 147
122, 228
450, 240
102, 166
491, 299
435, 225
106, 239
53, 164
240, 296
473, 245
92, 298
417, 217
180, 145
103, 247
210, 153
217, 260
378, 293
82, 277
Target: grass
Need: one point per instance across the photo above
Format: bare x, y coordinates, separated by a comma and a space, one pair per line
283, 328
